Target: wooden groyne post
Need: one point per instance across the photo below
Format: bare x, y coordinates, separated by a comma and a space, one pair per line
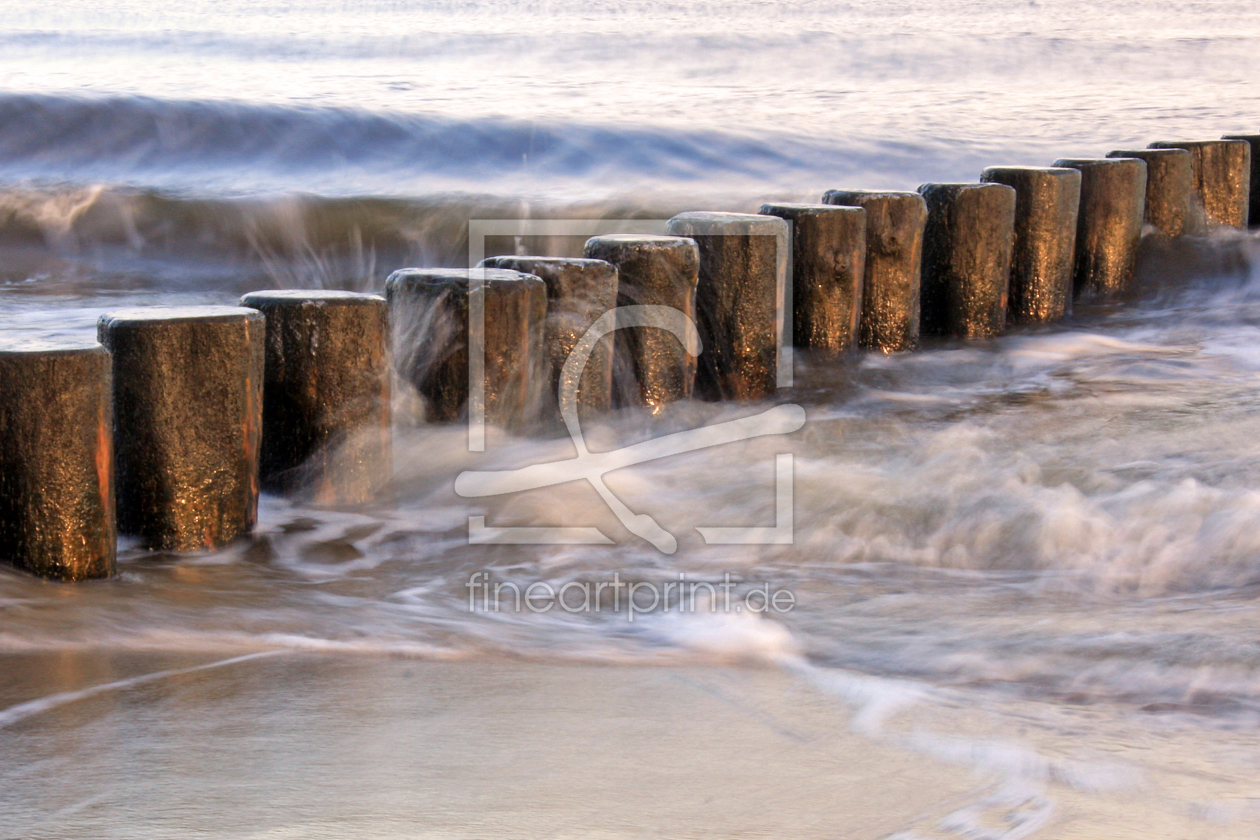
828, 267
326, 396
188, 387
56, 458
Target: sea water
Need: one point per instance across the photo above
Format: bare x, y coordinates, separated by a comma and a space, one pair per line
1022, 577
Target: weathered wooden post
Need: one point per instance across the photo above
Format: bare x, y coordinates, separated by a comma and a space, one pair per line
430, 311
579, 291
740, 301
56, 459
894, 252
187, 422
1109, 225
326, 397
1222, 178
653, 271
1171, 205
828, 265
967, 258
1253, 201
1047, 201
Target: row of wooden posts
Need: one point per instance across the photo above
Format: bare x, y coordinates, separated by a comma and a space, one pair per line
167, 428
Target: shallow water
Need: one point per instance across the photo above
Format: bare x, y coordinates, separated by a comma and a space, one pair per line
1024, 573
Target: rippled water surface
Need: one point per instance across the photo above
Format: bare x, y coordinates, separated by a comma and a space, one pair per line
1024, 572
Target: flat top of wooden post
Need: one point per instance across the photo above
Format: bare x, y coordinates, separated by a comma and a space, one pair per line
641, 238
459, 276
1143, 154
1083, 163
869, 194
959, 186
176, 314
495, 262
298, 296
17, 344
1195, 144
809, 209
715, 216
1056, 171
703, 220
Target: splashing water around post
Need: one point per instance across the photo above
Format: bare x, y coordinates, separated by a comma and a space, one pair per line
781, 419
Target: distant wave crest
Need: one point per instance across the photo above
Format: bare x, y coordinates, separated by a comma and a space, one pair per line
226, 145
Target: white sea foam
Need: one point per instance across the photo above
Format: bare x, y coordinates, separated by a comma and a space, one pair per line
1061, 519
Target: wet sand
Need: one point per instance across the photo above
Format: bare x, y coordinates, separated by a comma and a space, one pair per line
294, 744
305, 745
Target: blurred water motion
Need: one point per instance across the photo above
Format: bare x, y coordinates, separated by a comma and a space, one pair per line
1025, 571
